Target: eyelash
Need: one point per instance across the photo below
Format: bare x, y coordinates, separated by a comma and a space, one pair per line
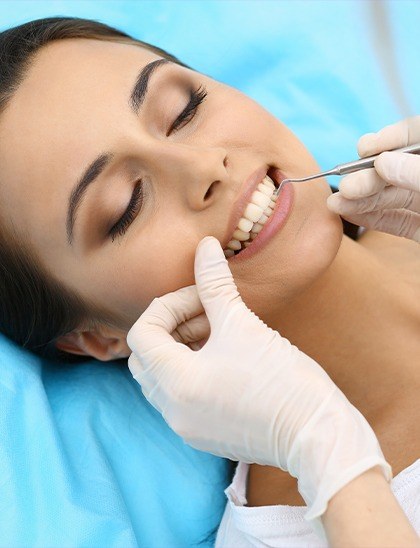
196, 98
120, 228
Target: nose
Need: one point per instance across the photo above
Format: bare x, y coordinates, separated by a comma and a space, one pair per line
195, 174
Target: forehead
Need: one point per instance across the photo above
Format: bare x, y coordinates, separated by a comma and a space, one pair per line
68, 78
67, 109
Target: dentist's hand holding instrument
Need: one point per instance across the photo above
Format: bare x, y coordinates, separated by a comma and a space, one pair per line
247, 393
386, 198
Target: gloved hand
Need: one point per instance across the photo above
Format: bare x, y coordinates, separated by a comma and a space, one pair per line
248, 394
386, 198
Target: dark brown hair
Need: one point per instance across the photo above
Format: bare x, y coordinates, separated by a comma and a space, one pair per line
36, 309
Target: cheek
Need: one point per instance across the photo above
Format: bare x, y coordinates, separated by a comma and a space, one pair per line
172, 268
154, 269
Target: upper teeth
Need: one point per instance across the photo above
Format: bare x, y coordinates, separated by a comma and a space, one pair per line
254, 217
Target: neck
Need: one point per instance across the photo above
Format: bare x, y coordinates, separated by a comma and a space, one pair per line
355, 321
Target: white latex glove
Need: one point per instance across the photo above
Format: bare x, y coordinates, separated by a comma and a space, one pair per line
386, 198
248, 394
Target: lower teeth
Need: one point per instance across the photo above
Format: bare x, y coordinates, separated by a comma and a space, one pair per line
252, 236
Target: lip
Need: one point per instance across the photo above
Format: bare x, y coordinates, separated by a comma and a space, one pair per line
275, 222
239, 205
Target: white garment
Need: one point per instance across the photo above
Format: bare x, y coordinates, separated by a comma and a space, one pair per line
244, 526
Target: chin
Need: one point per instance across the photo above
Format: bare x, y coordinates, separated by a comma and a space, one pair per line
295, 257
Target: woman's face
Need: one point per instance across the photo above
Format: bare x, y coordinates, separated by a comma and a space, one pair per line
73, 107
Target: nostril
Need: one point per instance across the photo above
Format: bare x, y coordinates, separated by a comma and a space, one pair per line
210, 190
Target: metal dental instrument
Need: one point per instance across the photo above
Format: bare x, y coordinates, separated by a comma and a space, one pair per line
349, 167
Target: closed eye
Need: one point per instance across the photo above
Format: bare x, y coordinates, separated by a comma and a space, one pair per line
196, 98
136, 202
127, 218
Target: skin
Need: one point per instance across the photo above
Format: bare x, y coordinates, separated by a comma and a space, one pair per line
350, 305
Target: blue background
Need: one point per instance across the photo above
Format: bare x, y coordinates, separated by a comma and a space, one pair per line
84, 459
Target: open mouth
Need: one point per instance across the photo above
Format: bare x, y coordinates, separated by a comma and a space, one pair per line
254, 217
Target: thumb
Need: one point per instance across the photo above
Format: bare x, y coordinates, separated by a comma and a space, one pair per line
400, 169
215, 285
157, 360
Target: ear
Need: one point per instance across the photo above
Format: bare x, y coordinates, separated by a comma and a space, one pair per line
104, 344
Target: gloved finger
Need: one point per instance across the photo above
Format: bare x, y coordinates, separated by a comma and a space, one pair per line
215, 284
192, 330
155, 385
138, 368
398, 222
400, 134
399, 169
361, 184
395, 168
161, 318
391, 197
156, 357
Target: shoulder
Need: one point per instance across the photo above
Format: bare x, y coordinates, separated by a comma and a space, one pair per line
282, 522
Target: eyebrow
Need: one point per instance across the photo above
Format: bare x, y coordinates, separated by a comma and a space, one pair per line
91, 174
